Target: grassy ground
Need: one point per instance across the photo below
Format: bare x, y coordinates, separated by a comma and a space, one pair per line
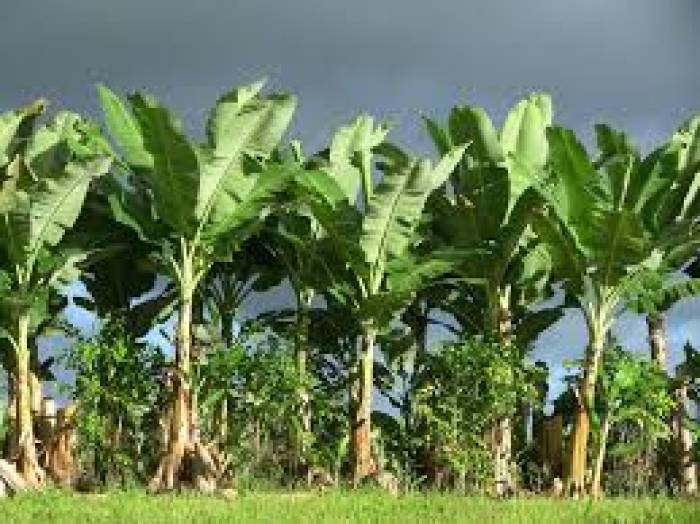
138, 508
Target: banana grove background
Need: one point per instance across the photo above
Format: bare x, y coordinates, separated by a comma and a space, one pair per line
628, 63
631, 63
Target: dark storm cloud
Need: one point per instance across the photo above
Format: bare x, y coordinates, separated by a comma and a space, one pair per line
631, 62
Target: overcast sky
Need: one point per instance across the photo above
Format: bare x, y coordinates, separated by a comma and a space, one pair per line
633, 63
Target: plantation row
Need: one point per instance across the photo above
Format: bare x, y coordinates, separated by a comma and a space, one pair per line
492, 241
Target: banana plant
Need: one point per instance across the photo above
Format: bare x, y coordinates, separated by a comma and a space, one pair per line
47, 319
302, 249
116, 292
228, 284
488, 204
672, 172
371, 266
220, 300
653, 297
675, 166
45, 173
297, 241
195, 203
485, 208
603, 222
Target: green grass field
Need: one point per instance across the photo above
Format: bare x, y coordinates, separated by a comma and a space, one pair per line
139, 508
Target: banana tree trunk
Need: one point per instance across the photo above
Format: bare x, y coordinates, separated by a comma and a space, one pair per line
658, 345
221, 420
413, 360
585, 396
362, 425
503, 436
302, 355
27, 463
656, 326
596, 487
179, 436
503, 429
11, 439
687, 473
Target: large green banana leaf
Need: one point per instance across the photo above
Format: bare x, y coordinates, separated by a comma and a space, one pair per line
43, 185
489, 202
681, 162
397, 204
198, 190
350, 154
621, 214
15, 127
43, 189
